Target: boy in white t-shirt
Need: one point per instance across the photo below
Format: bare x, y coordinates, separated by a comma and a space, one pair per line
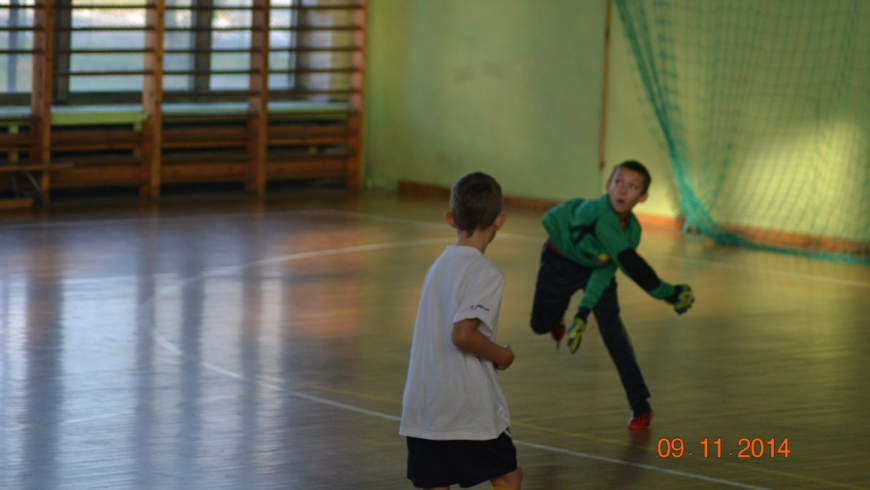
455, 415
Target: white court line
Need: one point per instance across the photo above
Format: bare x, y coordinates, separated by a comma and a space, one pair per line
148, 325
636, 465
425, 224
199, 218
711, 263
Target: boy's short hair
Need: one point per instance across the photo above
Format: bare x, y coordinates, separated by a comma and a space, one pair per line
475, 202
637, 167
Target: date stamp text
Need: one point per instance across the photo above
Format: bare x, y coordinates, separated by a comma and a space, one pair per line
746, 448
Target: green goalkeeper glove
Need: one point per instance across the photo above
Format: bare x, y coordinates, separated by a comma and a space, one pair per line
682, 298
575, 333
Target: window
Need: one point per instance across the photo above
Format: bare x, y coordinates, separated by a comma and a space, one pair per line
99, 50
16, 46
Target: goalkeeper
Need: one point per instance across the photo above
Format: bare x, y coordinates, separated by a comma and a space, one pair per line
588, 241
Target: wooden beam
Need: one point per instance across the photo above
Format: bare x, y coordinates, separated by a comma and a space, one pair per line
258, 101
34, 167
206, 172
208, 137
40, 98
98, 177
96, 140
356, 99
152, 101
16, 203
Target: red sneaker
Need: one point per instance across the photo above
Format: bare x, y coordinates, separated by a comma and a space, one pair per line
557, 333
637, 422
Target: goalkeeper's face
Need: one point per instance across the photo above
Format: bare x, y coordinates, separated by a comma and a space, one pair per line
625, 190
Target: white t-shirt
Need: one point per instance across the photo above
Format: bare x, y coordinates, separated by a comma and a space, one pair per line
450, 394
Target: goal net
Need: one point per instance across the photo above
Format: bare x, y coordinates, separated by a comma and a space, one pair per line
764, 110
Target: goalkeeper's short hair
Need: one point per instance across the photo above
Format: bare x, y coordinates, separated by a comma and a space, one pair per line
637, 167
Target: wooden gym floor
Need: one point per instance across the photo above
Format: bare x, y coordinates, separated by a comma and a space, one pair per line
228, 343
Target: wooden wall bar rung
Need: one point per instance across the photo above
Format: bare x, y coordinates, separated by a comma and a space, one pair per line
329, 49
318, 70
82, 73
19, 51
355, 6
102, 29
352, 27
273, 7
206, 93
343, 91
203, 117
208, 72
102, 51
210, 29
218, 50
215, 8
119, 6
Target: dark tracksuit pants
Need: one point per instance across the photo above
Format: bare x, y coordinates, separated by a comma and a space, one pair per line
558, 280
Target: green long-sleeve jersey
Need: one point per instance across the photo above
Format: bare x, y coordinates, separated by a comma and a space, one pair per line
590, 233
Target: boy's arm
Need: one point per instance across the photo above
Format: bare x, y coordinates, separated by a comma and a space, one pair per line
468, 339
679, 296
619, 247
599, 280
641, 273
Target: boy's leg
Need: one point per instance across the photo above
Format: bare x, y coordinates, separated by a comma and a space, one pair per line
438, 464
511, 481
616, 339
431, 464
558, 280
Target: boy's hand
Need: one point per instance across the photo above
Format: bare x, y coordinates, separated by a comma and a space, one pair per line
682, 299
575, 333
507, 359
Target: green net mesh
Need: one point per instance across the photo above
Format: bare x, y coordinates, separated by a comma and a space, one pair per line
764, 110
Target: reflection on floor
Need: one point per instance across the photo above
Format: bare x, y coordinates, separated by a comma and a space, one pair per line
237, 343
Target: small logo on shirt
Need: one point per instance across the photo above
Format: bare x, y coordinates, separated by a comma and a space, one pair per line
484, 308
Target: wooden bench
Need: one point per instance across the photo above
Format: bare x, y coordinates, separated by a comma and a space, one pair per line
207, 142
26, 171
199, 142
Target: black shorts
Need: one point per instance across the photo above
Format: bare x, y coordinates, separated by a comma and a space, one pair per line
468, 463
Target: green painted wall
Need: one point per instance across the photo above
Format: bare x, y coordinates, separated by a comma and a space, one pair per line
509, 87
